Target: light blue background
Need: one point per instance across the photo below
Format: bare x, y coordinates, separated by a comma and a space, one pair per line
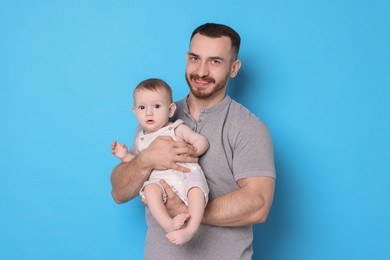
316, 72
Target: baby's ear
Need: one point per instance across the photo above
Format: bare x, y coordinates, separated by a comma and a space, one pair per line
172, 109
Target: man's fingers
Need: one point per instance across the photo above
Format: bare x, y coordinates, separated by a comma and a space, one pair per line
167, 188
174, 205
165, 184
165, 153
180, 168
186, 159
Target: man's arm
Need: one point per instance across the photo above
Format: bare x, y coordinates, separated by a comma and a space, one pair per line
163, 153
127, 178
250, 204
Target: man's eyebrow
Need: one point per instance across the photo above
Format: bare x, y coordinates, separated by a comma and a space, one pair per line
210, 58
192, 54
217, 58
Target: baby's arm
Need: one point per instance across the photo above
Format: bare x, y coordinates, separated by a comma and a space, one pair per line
186, 134
121, 151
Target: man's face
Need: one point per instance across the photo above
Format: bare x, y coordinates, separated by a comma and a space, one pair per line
210, 64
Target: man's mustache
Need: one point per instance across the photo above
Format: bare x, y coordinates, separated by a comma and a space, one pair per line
205, 78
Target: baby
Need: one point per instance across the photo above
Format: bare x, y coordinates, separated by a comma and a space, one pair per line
153, 107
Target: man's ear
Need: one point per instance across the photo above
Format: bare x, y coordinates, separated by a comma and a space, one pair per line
172, 109
235, 68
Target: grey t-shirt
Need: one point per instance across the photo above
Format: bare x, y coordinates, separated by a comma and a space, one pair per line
240, 147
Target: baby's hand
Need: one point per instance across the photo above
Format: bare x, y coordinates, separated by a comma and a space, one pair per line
119, 150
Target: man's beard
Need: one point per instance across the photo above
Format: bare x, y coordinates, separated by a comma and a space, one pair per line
206, 93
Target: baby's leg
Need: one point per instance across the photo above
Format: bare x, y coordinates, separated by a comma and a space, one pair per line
153, 194
196, 205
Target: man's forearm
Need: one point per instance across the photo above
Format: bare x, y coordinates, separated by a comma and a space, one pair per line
127, 179
249, 204
230, 211
163, 153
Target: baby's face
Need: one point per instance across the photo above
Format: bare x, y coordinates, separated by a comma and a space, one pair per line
152, 109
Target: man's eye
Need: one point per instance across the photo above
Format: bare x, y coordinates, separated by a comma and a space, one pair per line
215, 62
193, 58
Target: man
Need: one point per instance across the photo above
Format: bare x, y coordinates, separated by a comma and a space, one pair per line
239, 164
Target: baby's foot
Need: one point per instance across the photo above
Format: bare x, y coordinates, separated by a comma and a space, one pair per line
119, 150
178, 222
180, 236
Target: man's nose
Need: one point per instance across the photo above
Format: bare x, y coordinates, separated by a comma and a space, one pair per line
203, 69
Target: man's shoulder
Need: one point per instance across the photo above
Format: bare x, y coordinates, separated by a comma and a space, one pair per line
180, 103
180, 106
241, 114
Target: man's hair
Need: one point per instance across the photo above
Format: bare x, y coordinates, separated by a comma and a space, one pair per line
215, 30
154, 84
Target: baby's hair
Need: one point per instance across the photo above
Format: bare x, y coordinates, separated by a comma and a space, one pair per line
154, 84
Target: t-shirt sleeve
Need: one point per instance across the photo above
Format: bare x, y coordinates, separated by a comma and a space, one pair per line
253, 152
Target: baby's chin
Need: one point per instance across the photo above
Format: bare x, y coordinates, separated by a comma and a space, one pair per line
149, 129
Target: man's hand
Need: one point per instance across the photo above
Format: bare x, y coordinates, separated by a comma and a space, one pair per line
164, 153
174, 204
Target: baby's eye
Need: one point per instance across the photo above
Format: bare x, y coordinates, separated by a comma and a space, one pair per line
141, 107
157, 106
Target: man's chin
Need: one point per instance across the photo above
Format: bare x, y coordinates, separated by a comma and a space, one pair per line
200, 94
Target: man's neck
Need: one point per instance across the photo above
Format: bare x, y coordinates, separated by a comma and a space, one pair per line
195, 105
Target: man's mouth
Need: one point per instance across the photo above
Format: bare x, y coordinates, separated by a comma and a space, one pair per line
202, 81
